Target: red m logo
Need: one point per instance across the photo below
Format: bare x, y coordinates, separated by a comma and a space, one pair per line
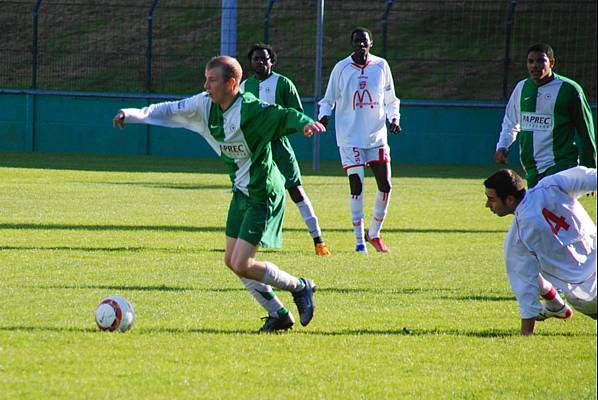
358, 99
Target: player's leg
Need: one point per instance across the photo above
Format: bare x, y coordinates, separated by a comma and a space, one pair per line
285, 160
352, 159
255, 227
583, 296
379, 162
308, 214
279, 317
554, 305
245, 265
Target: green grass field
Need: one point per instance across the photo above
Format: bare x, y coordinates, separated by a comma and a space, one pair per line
433, 319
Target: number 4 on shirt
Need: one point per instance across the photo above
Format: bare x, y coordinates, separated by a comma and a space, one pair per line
556, 223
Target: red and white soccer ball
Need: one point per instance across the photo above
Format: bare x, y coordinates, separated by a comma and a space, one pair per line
115, 313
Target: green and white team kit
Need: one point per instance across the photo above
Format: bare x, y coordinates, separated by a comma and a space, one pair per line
275, 89
553, 123
241, 135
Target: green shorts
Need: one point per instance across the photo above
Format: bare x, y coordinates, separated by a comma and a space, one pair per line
257, 222
533, 178
284, 157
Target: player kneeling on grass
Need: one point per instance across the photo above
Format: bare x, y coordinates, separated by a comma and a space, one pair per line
239, 127
551, 244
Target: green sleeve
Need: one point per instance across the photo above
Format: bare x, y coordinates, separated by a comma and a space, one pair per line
584, 126
288, 94
264, 122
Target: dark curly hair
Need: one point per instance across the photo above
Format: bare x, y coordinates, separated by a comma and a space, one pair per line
263, 46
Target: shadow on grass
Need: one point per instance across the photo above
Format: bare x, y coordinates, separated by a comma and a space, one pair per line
385, 291
109, 249
483, 333
139, 288
168, 228
137, 163
163, 185
179, 228
478, 298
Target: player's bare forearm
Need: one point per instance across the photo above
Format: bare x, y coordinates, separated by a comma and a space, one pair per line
527, 326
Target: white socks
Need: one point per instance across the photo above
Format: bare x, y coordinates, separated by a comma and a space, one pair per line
264, 295
356, 206
554, 302
309, 216
281, 280
380, 208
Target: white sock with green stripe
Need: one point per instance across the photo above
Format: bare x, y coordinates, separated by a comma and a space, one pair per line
280, 279
264, 295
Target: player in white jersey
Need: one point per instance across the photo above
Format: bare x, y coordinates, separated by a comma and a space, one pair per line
550, 117
551, 244
361, 90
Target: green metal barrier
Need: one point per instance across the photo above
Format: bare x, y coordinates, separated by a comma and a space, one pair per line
80, 122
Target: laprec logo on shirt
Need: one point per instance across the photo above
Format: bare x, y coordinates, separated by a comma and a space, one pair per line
534, 121
234, 150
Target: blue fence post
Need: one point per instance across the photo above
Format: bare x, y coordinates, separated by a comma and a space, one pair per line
507, 60
318, 80
38, 4
389, 4
228, 28
148, 53
267, 21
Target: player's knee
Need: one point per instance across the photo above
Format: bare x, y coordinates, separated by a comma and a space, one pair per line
240, 266
385, 187
355, 184
296, 194
228, 260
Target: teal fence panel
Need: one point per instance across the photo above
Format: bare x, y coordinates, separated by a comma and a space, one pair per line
72, 122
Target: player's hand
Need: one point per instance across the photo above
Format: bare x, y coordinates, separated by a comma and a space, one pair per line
313, 127
501, 156
324, 120
119, 120
394, 126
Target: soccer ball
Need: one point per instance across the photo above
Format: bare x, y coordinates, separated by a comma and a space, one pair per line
115, 313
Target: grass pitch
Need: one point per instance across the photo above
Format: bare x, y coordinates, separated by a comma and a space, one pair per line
435, 318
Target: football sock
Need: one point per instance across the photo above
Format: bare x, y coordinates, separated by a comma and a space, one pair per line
280, 279
380, 208
554, 302
264, 295
309, 216
356, 206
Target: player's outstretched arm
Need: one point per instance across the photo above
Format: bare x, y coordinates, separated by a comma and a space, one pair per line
119, 120
313, 127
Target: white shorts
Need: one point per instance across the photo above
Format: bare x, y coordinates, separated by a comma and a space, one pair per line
352, 157
583, 296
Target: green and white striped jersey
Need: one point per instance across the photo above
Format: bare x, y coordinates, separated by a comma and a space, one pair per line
275, 89
241, 135
553, 123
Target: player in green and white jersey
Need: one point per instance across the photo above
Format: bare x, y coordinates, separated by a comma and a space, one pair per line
551, 117
274, 88
239, 127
